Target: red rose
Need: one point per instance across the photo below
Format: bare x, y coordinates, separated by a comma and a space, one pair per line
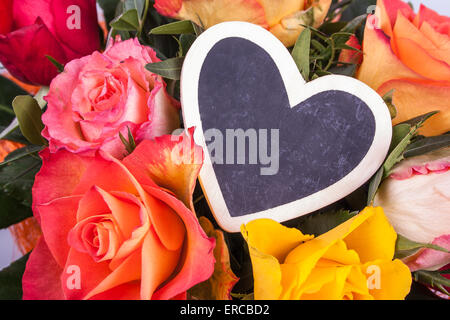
32, 29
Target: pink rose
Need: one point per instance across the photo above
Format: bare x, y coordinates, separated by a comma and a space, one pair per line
102, 94
32, 29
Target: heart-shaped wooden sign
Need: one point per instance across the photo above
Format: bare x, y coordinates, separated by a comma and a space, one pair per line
275, 146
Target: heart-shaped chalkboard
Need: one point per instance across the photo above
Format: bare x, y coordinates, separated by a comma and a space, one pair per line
275, 146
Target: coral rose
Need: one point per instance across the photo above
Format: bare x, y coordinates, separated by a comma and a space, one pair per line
32, 29
351, 261
118, 229
283, 18
100, 95
411, 54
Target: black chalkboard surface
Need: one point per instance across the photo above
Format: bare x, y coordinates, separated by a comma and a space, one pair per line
276, 147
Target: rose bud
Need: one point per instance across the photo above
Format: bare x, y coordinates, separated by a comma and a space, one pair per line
416, 200
31, 30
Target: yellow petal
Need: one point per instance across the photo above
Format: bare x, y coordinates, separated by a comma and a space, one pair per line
374, 238
272, 238
266, 253
276, 10
394, 279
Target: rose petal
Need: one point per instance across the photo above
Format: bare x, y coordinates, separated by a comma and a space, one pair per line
198, 247
387, 11
41, 279
208, 13
154, 274
29, 63
172, 162
430, 259
404, 29
380, 63
6, 16
416, 97
421, 61
219, 286
77, 41
58, 217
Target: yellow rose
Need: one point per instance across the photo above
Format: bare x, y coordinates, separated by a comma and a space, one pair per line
351, 261
282, 18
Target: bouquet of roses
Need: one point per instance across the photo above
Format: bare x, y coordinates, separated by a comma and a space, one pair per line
101, 197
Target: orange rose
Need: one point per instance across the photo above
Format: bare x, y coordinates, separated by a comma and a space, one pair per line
118, 229
283, 18
411, 54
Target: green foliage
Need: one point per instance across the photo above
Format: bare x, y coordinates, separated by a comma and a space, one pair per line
16, 180
300, 53
405, 247
29, 113
424, 145
11, 279
320, 223
402, 135
9, 127
434, 279
170, 68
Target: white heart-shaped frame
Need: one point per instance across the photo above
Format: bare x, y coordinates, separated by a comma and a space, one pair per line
292, 80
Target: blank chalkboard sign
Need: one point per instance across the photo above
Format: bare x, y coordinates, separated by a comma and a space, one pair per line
275, 146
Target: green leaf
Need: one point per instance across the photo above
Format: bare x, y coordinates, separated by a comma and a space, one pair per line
109, 8
346, 70
59, 66
300, 53
178, 27
129, 144
388, 100
399, 132
127, 21
354, 24
356, 8
426, 145
29, 114
186, 41
374, 185
433, 279
405, 247
13, 211
170, 68
11, 279
21, 153
319, 223
17, 178
419, 120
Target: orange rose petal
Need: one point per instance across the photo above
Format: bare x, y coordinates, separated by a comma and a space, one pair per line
405, 29
127, 291
276, 10
442, 41
416, 97
166, 222
208, 13
57, 219
41, 277
219, 286
128, 271
430, 16
415, 57
387, 11
380, 63
124, 210
198, 247
158, 263
91, 204
168, 8
91, 274
171, 162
